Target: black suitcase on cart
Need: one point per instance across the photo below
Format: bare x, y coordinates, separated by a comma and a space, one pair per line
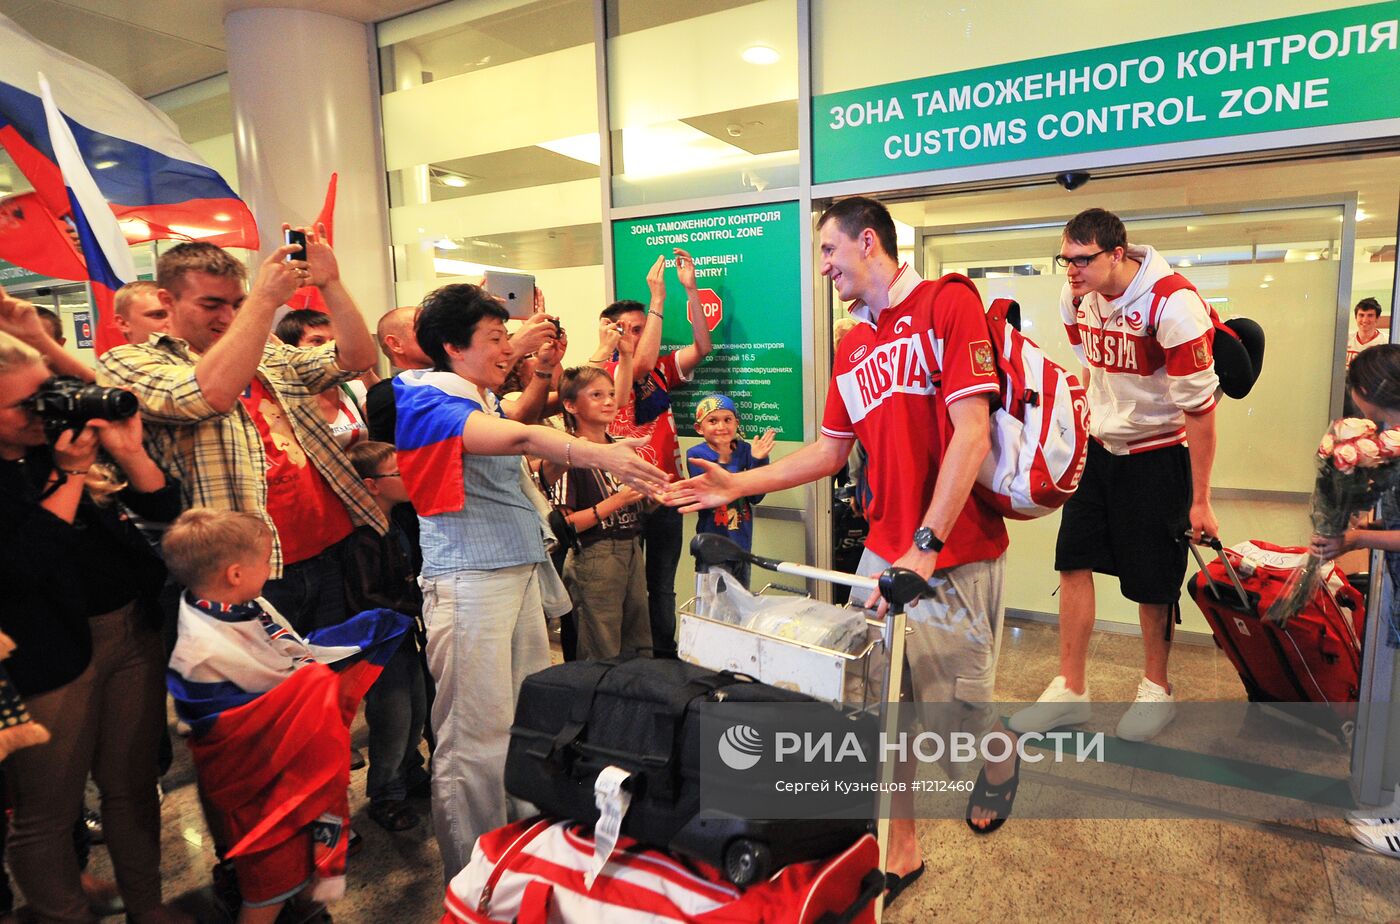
642, 714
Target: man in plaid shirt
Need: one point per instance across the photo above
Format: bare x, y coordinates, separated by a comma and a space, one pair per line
232, 412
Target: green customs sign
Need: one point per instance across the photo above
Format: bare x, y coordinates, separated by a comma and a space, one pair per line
1321, 69
748, 272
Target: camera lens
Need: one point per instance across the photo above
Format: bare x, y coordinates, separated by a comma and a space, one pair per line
94, 401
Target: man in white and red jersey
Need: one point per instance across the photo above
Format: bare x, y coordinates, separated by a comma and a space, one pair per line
647, 415
1368, 334
1151, 379
913, 381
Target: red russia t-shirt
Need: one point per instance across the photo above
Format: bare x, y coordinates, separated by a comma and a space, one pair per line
891, 385
309, 517
651, 405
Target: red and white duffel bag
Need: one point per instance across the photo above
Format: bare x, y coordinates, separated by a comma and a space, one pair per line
532, 872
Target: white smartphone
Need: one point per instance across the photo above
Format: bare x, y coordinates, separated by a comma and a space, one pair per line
515, 290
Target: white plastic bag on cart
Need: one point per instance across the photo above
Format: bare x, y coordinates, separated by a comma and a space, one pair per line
798, 619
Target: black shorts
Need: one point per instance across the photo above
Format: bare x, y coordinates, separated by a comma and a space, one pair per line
1126, 518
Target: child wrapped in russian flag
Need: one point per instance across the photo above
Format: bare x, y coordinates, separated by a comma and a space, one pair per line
269, 711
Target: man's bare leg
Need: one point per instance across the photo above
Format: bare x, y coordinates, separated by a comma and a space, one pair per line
1076, 626
1156, 648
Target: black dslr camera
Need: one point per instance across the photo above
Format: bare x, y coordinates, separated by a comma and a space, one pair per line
67, 403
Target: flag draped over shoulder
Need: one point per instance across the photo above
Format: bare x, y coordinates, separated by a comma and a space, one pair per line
432, 408
154, 182
270, 714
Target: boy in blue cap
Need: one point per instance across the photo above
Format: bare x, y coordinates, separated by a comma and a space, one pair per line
717, 422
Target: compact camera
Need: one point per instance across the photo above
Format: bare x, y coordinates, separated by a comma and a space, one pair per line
67, 403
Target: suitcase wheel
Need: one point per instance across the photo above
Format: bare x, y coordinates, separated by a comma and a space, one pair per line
746, 861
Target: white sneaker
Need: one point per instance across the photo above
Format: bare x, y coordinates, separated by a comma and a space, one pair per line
1058, 705
1383, 839
1381, 815
1149, 713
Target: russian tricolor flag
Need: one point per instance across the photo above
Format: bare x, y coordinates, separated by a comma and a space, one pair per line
271, 714
155, 182
108, 258
432, 408
98, 153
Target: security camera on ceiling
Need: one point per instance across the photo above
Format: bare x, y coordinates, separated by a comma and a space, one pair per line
1072, 179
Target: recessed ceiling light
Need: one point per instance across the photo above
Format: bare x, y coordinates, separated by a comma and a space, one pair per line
453, 180
447, 243
760, 54
1362, 214
1263, 285
1183, 263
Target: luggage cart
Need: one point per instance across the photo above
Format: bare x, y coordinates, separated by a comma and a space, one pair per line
869, 678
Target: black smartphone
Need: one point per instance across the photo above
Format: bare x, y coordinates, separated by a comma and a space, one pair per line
293, 236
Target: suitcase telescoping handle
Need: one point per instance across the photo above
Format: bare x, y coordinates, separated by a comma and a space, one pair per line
1213, 542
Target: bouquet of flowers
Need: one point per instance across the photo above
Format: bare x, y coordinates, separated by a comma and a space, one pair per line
1356, 464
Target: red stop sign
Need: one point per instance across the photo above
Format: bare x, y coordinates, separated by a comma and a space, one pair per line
712, 305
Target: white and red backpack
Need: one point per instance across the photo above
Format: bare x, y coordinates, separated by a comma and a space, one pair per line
1040, 432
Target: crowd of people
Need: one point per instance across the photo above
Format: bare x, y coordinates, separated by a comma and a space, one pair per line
289, 533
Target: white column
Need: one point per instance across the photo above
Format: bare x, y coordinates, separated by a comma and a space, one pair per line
305, 105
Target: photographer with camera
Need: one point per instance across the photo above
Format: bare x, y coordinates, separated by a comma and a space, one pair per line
80, 585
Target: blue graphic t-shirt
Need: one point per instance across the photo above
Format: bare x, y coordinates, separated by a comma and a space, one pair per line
733, 521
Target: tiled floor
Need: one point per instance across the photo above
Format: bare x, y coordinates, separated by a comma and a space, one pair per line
1219, 867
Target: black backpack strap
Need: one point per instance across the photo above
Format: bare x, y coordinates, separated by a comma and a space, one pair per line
556, 750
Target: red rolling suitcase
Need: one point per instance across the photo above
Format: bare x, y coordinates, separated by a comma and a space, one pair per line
1316, 658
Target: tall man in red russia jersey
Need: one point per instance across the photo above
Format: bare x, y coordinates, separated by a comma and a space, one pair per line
913, 382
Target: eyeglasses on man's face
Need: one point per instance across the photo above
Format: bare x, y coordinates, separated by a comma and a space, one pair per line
1080, 261
385, 475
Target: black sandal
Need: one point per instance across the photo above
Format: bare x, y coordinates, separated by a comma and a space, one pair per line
895, 885
393, 815
997, 798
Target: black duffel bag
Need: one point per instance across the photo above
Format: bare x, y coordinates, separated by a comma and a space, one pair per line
643, 715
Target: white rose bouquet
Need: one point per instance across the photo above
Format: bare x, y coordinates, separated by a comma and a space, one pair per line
1356, 464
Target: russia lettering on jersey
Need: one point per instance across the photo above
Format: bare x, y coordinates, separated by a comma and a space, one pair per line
900, 367
1120, 351
893, 379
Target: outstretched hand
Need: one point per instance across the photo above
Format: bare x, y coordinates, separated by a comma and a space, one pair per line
621, 459
764, 444
713, 487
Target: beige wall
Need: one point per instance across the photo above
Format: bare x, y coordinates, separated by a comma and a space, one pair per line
916, 38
